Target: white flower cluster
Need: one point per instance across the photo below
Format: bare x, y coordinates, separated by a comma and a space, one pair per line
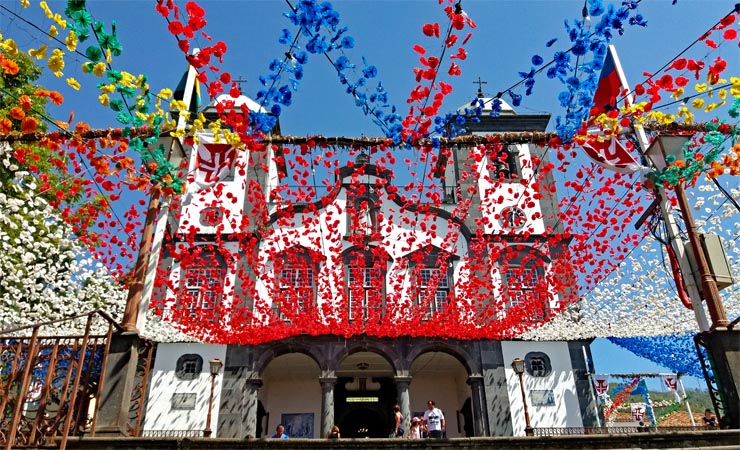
640, 298
45, 273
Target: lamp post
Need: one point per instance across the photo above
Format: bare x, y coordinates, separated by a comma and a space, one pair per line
518, 366
672, 145
215, 365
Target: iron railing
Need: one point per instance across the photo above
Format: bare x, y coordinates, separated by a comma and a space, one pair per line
50, 384
172, 433
578, 431
715, 392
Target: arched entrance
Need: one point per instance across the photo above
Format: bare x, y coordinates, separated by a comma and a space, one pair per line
364, 423
441, 377
364, 396
291, 395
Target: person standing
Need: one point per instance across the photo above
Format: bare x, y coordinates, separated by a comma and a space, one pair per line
415, 430
280, 432
434, 420
710, 422
398, 430
334, 433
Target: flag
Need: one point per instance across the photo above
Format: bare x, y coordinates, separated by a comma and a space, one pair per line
638, 412
214, 161
671, 382
601, 384
611, 154
610, 85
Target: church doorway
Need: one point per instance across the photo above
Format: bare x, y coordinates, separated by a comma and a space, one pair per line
364, 396
364, 423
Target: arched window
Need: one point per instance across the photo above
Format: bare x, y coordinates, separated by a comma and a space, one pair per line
503, 165
203, 276
432, 272
365, 277
295, 277
537, 364
525, 284
362, 210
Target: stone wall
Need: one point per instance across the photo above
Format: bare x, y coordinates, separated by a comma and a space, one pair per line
692, 439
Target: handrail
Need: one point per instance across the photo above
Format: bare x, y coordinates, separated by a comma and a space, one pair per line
732, 324
577, 431
99, 312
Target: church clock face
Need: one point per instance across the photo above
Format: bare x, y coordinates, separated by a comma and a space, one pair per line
513, 217
210, 217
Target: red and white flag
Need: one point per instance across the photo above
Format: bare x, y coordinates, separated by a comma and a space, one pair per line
671, 382
612, 154
601, 384
638, 412
214, 161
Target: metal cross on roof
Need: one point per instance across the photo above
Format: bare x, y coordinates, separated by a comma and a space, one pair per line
480, 87
239, 82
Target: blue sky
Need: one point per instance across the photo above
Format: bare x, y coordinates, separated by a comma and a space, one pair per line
509, 32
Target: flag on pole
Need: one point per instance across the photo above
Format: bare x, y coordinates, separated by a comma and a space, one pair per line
671, 382
214, 161
601, 384
610, 152
610, 86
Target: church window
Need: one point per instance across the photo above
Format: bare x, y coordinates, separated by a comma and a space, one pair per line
504, 164
188, 366
296, 283
434, 287
522, 283
537, 364
203, 288
364, 294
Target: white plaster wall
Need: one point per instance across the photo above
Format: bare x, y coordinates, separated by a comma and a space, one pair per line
566, 412
163, 384
495, 196
228, 194
294, 396
449, 394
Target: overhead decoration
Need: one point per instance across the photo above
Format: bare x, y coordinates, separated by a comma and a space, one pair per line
677, 353
380, 218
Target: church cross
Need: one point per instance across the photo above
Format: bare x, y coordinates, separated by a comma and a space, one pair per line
480, 84
239, 82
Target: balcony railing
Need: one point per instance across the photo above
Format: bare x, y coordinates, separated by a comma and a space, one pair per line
172, 433
577, 431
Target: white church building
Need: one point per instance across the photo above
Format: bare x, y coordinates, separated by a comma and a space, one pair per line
360, 258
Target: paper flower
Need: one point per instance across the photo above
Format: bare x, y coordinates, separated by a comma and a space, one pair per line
74, 84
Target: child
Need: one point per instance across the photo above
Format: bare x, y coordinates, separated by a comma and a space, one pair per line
415, 430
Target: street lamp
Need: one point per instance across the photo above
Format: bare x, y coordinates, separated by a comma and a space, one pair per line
215, 365
659, 150
518, 366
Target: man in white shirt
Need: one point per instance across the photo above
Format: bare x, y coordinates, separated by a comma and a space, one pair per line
434, 420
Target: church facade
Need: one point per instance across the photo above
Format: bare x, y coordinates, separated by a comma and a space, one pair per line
360, 258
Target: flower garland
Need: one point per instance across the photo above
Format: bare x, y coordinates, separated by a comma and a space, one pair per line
621, 394
676, 352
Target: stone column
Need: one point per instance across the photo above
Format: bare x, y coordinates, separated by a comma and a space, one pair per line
327, 404
119, 383
250, 400
478, 405
402, 385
